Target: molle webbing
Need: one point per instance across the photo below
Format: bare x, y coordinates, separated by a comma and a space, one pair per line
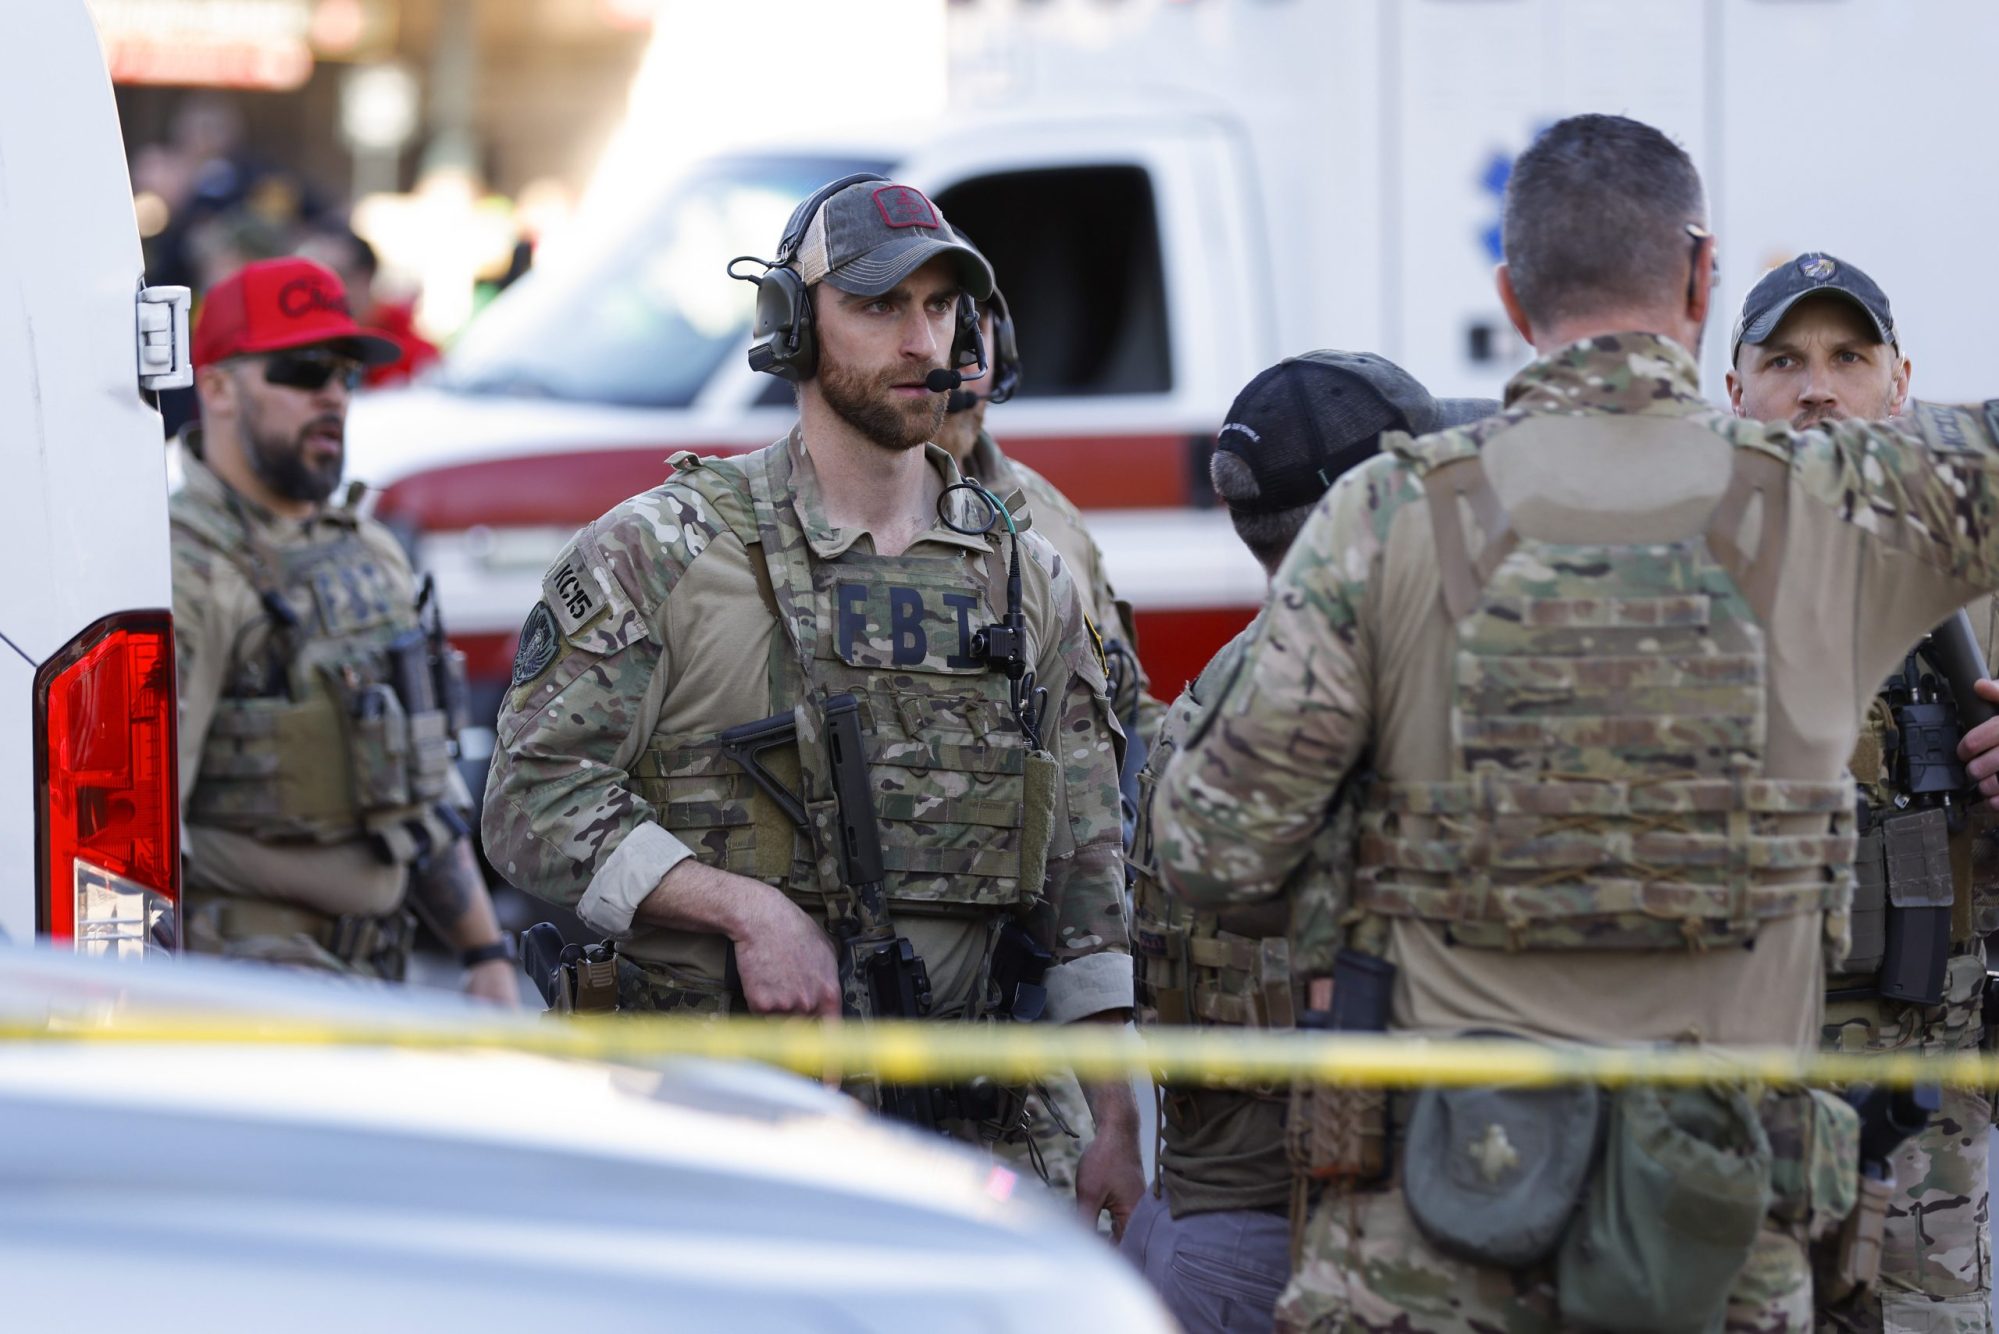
1556, 853
965, 815
1608, 720
1218, 978
322, 746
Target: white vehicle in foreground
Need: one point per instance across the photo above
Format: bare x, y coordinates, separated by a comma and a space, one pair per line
88, 793
204, 1186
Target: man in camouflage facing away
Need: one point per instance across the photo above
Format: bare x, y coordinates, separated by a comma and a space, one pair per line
843, 567
1816, 342
1605, 654
1214, 1236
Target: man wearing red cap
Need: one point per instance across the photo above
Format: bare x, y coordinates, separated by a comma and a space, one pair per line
315, 742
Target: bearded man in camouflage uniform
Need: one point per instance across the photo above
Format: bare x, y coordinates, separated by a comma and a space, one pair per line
315, 760
1606, 655
1214, 1236
1816, 342
837, 565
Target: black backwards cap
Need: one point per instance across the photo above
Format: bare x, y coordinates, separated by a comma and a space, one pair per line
1303, 422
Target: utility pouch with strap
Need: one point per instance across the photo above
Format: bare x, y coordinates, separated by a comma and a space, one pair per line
1339, 1132
1493, 1175
1672, 1214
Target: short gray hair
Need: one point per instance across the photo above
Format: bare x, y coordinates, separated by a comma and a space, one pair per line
1596, 217
1268, 536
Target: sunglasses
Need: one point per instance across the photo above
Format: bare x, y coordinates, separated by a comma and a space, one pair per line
311, 370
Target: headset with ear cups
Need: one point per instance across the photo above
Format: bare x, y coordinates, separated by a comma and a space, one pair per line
783, 343
1005, 350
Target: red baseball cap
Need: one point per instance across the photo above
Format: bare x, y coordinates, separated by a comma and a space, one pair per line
275, 304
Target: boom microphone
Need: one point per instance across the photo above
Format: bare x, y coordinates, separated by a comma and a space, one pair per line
941, 381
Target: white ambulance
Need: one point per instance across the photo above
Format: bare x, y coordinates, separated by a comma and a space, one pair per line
89, 800
1175, 195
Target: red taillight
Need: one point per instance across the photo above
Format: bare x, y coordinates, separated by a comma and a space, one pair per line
109, 790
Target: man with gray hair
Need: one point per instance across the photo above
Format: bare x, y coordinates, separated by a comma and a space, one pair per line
1213, 1236
1603, 657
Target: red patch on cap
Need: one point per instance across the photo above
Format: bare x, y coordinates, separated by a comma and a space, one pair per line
275, 304
902, 206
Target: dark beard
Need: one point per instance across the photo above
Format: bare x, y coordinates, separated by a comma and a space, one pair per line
281, 465
865, 404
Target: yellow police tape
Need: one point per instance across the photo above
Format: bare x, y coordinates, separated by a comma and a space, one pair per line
902, 1052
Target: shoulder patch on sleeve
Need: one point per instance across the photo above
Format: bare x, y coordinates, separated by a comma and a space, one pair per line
539, 644
573, 592
1955, 430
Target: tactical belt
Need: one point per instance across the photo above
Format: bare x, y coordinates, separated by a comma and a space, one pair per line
381, 943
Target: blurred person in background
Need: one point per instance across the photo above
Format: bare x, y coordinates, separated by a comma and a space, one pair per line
320, 801
1061, 1118
1214, 1235
1816, 344
348, 255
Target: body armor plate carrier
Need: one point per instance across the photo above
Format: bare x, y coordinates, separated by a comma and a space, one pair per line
319, 739
1608, 720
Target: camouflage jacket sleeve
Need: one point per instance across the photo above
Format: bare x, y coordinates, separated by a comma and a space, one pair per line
1081, 914
561, 819
1239, 805
1925, 484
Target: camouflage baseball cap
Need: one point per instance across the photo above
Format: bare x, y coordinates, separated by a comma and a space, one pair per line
871, 235
1788, 284
1306, 420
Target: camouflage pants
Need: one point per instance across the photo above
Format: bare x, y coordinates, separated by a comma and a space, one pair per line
1936, 1258
1364, 1265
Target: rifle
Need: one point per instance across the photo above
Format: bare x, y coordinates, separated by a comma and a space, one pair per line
881, 975
444, 664
1954, 649
1933, 704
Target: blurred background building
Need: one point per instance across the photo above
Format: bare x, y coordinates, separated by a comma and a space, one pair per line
451, 135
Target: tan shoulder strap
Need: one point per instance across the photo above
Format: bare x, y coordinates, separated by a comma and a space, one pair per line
1755, 474
1463, 574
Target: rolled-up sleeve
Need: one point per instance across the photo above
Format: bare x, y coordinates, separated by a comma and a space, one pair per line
562, 819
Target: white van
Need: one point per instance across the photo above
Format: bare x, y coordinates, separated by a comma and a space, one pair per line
89, 799
1174, 196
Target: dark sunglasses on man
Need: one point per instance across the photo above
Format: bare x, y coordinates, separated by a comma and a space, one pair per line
310, 369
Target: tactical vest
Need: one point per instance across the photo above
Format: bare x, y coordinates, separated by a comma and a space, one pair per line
1235, 967
313, 741
965, 808
1608, 786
